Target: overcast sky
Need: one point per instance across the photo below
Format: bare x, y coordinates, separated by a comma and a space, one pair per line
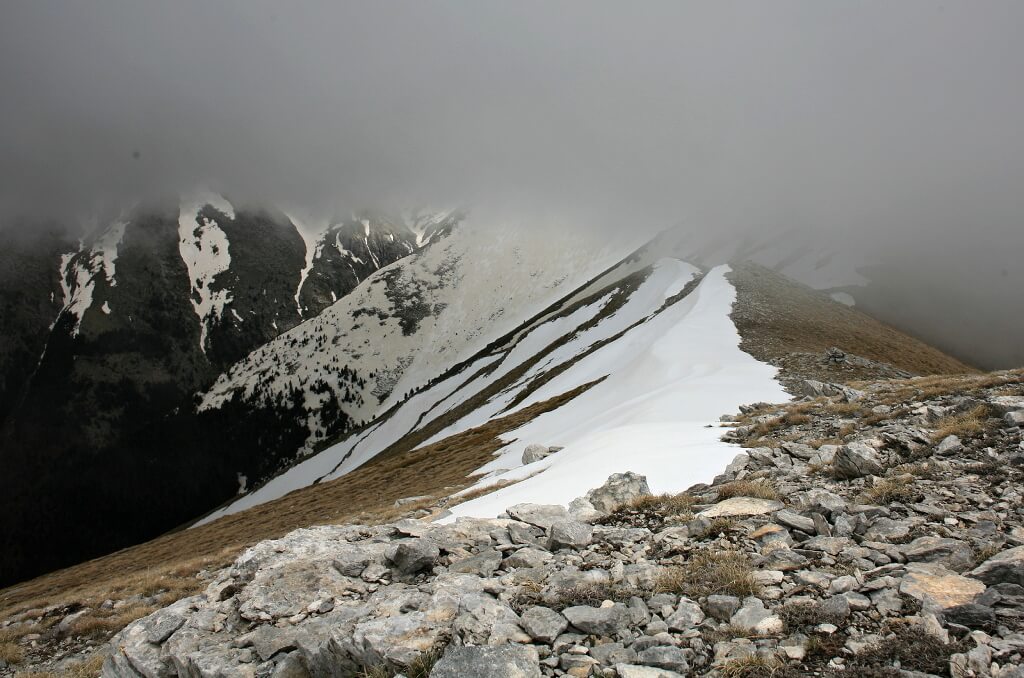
874, 115
895, 125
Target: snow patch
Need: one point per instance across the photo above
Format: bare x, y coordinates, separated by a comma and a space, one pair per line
80, 271
844, 298
665, 381
204, 249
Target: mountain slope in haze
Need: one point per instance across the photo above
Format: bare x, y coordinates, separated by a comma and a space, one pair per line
647, 340
405, 325
614, 324
107, 339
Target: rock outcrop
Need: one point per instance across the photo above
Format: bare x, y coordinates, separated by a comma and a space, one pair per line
915, 558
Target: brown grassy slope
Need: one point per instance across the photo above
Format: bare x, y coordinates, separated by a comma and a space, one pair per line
364, 495
777, 318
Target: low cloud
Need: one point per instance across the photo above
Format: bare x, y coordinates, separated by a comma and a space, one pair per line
892, 124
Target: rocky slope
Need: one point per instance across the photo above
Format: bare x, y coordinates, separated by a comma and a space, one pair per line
876, 530
105, 341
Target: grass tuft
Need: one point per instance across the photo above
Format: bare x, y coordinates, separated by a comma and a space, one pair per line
759, 489
888, 490
710, 572
963, 425
752, 667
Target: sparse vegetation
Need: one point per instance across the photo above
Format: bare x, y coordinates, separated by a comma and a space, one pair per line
892, 489
755, 666
709, 572
11, 652
721, 525
418, 668
963, 425
798, 616
760, 489
913, 649
669, 504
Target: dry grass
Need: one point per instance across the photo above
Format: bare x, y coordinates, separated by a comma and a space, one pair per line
11, 652
914, 650
872, 418
795, 419
963, 425
721, 525
923, 388
418, 668
752, 667
664, 504
842, 409
926, 470
888, 490
368, 492
710, 572
777, 317
759, 489
90, 668
845, 430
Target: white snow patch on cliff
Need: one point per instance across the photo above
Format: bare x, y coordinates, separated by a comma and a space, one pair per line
80, 271
666, 381
204, 249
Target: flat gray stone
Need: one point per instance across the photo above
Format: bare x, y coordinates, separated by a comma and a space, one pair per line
503, 661
741, 506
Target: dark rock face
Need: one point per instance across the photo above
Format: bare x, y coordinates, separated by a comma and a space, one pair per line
267, 256
30, 299
100, 442
348, 253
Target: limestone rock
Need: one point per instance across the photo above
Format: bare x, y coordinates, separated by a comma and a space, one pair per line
599, 621
686, 616
741, 506
535, 452
856, 460
543, 624
929, 582
1006, 567
539, 515
755, 618
410, 556
569, 534
504, 661
619, 489
634, 671
955, 554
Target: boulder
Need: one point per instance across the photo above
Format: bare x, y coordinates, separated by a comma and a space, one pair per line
954, 554
794, 520
539, 515
856, 460
686, 616
409, 556
483, 564
599, 621
535, 452
741, 506
932, 583
1006, 567
634, 671
753, 617
527, 557
949, 445
569, 534
504, 661
543, 624
665, 657
619, 489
